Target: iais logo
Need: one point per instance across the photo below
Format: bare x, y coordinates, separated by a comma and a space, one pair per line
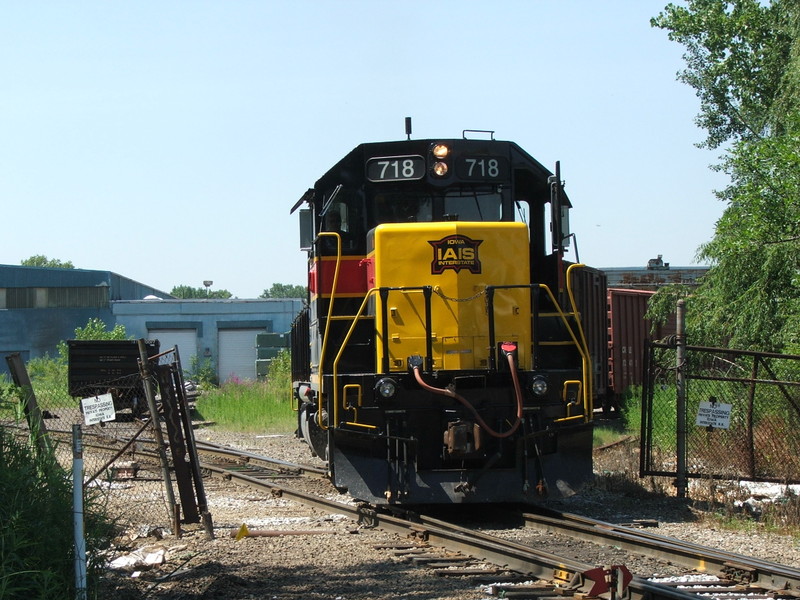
455, 252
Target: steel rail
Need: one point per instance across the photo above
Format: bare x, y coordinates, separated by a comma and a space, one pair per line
227, 452
699, 558
528, 560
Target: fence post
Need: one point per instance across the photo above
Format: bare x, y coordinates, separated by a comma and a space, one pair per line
33, 414
680, 385
202, 501
77, 513
646, 424
751, 442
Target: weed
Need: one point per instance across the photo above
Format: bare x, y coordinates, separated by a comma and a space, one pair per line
263, 406
36, 541
202, 372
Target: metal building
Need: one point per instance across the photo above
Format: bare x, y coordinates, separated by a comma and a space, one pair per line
222, 332
39, 307
655, 275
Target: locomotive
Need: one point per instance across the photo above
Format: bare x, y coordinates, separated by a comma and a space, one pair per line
441, 357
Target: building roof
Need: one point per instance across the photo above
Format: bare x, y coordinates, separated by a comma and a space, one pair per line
656, 274
16, 276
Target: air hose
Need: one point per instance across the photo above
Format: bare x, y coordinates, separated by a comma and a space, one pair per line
508, 349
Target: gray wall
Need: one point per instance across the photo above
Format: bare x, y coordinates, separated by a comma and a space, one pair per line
206, 318
52, 308
34, 332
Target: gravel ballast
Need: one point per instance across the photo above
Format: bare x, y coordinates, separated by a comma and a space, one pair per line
329, 556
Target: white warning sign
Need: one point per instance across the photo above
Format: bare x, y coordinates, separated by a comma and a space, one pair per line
98, 408
714, 414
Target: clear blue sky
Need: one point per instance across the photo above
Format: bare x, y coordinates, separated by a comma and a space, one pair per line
167, 140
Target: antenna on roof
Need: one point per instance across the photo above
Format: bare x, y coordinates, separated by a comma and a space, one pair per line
408, 128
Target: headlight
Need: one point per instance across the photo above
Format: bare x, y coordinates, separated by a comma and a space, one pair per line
386, 388
539, 386
440, 151
440, 169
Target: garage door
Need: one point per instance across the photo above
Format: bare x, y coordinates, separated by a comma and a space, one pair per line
184, 339
237, 353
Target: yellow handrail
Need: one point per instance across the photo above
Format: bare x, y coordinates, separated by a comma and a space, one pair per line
338, 238
354, 422
582, 349
338, 357
588, 372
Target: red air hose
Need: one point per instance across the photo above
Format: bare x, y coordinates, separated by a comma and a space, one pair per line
452, 394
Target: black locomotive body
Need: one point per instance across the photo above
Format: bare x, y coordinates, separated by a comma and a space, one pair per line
441, 357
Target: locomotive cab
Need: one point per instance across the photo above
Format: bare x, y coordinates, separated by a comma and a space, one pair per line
441, 356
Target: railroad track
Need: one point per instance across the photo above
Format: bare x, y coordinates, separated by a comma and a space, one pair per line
738, 576
555, 575
737, 569
256, 461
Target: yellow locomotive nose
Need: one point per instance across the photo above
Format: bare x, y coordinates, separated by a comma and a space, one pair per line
457, 260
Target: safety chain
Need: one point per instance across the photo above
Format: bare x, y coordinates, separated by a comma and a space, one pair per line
439, 291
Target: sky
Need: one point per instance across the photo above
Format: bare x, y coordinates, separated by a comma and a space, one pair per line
167, 140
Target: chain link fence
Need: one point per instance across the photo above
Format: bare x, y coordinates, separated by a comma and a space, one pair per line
129, 458
721, 414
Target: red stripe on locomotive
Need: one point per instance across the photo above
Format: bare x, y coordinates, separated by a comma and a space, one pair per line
352, 276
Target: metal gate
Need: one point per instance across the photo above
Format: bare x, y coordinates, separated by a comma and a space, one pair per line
720, 413
131, 460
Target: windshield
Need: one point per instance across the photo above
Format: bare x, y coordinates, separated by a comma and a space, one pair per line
471, 204
454, 204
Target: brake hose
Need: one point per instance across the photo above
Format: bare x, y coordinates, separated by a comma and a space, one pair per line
448, 391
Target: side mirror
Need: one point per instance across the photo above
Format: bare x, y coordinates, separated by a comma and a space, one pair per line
565, 232
306, 229
559, 214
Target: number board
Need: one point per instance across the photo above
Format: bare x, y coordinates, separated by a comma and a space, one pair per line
395, 168
482, 168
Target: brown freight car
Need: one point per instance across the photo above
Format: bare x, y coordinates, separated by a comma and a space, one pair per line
627, 331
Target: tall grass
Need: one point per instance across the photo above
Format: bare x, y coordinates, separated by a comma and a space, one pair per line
628, 424
36, 539
664, 418
630, 421
8, 396
604, 435
261, 406
631, 410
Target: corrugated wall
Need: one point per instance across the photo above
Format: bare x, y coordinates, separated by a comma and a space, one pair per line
590, 290
627, 332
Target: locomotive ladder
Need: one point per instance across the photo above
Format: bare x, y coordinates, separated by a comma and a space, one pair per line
577, 338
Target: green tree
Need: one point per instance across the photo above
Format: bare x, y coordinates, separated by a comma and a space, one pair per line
188, 292
285, 290
40, 260
737, 53
743, 59
96, 329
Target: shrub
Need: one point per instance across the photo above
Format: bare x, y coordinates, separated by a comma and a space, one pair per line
36, 541
202, 372
279, 377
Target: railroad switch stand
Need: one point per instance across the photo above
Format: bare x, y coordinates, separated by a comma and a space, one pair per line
613, 580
